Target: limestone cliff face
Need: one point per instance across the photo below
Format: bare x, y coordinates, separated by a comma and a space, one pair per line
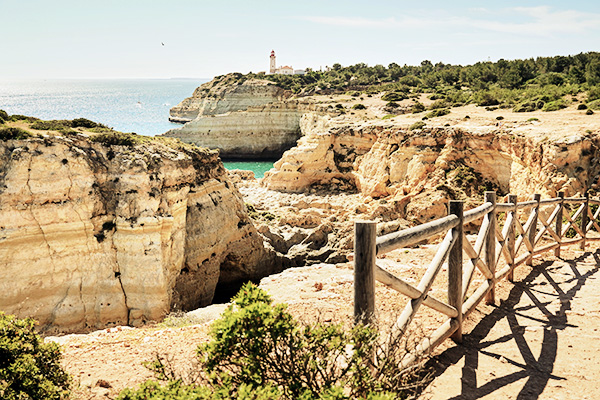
422, 169
92, 235
225, 94
253, 119
258, 132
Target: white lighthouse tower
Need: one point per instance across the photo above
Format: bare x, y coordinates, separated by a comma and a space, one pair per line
272, 67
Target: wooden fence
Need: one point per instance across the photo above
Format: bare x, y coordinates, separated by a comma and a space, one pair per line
548, 225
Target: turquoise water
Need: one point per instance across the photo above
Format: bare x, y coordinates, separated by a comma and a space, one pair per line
127, 105
259, 167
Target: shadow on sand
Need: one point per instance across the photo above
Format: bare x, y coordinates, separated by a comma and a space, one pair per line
536, 372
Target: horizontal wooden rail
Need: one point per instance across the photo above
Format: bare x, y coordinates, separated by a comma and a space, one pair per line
542, 232
478, 212
410, 236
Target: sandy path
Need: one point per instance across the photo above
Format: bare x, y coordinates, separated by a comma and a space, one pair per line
541, 342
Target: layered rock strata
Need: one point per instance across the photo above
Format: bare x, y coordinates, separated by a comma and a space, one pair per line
252, 119
94, 235
224, 94
423, 169
263, 132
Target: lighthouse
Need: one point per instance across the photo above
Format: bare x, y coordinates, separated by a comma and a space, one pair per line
272, 67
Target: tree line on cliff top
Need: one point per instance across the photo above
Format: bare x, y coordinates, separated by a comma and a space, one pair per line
533, 82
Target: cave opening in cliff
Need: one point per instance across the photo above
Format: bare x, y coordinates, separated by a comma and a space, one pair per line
224, 292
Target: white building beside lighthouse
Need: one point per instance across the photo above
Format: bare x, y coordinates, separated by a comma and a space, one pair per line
285, 70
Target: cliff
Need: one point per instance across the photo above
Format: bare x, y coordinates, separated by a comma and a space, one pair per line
422, 169
94, 235
259, 132
251, 119
226, 94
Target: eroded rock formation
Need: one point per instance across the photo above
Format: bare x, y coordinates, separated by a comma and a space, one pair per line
423, 169
253, 119
94, 235
225, 94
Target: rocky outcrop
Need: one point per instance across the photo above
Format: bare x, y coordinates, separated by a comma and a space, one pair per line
225, 94
423, 169
94, 235
257, 133
251, 119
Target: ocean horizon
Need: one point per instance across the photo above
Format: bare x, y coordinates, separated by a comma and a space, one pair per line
127, 105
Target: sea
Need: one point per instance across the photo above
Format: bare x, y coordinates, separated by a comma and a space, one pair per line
127, 105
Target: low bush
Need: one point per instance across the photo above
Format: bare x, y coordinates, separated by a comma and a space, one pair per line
589, 112
529, 106
417, 125
12, 133
582, 107
438, 104
29, 368
85, 123
359, 106
438, 112
117, 139
594, 105
3, 116
259, 351
555, 105
417, 107
18, 117
393, 96
52, 125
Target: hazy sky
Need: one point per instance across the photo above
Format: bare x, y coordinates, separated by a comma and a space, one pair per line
123, 38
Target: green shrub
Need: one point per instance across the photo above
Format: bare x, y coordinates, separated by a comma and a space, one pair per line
417, 107
555, 105
359, 107
85, 123
392, 104
594, 105
52, 125
393, 96
438, 112
593, 93
18, 117
388, 116
532, 119
582, 107
12, 133
529, 106
3, 116
417, 125
29, 368
117, 139
589, 112
499, 117
438, 104
259, 351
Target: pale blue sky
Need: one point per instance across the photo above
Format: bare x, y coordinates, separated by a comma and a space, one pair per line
122, 38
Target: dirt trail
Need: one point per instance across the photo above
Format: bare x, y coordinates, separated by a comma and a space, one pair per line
542, 341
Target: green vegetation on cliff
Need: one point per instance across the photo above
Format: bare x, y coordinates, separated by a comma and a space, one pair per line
524, 85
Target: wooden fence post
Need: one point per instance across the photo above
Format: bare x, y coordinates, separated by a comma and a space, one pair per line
559, 221
533, 228
510, 237
455, 263
365, 235
490, 246
584, 219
